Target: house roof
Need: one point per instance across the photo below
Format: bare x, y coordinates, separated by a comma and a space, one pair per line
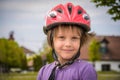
113, 48
27, 51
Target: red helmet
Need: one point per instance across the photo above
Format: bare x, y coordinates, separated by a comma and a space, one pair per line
67, 14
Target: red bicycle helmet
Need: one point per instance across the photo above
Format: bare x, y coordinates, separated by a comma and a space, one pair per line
67, 14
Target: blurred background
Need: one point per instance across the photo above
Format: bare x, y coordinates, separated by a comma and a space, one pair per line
21, 31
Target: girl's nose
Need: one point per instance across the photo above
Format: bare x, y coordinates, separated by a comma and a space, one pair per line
68, 43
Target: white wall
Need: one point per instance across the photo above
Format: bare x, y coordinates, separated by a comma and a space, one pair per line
114, 65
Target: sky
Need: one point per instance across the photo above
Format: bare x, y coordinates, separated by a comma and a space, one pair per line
27, 18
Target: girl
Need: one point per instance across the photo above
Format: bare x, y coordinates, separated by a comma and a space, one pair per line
67, 29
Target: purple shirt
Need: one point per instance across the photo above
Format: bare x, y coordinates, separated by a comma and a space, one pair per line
79, 70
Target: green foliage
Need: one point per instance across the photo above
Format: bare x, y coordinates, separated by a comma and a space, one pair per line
114, 7
44, 57
48, 52
11, 54
37, 62
50, 57
94, 50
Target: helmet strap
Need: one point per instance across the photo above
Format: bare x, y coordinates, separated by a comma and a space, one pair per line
72, 59
52, 75
56, 57
67, 63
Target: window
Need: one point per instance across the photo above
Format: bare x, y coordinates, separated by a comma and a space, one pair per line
103, 46
119, 66
106, 67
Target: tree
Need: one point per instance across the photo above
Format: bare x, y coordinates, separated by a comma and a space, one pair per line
94, 51
50, 57
48, 52
11, 55
43, 58
37, 62
114, 7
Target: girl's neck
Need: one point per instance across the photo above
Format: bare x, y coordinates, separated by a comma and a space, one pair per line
62, 61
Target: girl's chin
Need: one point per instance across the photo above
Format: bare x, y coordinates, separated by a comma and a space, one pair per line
66, 59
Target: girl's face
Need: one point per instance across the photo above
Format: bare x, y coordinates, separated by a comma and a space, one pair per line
66, 43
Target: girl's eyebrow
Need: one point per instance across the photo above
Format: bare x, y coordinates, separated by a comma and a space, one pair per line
60, 33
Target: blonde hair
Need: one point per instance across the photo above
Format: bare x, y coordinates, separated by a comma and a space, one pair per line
85, 36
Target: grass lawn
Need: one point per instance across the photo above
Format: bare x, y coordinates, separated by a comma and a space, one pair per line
19, 76
108, 75
32, 76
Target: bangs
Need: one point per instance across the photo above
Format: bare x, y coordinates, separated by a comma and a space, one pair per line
66, 28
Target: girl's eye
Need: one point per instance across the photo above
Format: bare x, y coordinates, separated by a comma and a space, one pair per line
75, 38
61, 37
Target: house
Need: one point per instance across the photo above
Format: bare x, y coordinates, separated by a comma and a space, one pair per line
29, 55
27, 52
110, 50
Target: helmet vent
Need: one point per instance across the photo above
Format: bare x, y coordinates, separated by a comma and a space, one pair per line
69, 9
59, 10
52, 14
79, 11
86, 17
